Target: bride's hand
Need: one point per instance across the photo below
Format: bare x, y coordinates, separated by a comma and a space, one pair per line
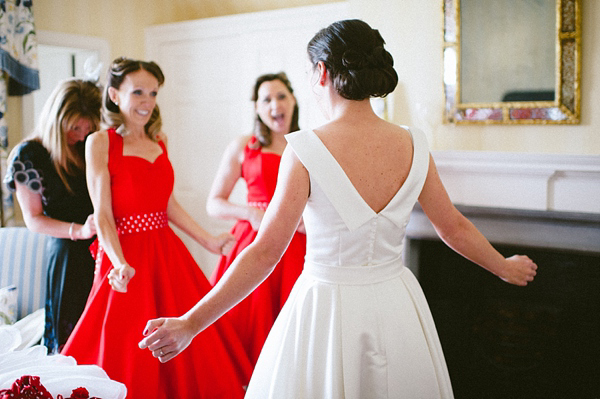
166, 338
119, 277
519, 270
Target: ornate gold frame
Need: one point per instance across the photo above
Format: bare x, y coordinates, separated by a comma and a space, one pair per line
565, 109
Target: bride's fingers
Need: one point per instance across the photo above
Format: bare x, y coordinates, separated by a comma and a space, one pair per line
165, 355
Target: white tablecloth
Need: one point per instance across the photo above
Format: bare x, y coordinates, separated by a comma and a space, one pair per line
58, 374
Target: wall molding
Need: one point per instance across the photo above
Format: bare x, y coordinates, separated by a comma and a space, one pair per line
545, 182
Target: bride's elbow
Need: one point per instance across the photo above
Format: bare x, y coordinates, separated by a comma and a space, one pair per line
265, 256
453, 228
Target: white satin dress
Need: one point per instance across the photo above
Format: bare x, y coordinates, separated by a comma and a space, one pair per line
356, 324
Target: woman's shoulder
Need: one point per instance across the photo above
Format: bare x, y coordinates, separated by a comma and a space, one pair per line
99, 136
30, 153
97, 142
243, 141
31, 149
161, 137
239, 144
28, 162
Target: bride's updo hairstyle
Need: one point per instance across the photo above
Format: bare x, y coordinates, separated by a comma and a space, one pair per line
121, 67
355, 59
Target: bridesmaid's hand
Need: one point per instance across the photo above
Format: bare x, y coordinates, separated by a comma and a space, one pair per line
519, 270
301, 228
88, 229
119, 277
166, 338
255, 217
221, 244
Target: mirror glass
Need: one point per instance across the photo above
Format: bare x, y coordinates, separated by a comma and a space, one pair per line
507, 50
512, 61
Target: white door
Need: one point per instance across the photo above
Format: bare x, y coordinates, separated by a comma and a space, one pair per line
210, 66
61, 56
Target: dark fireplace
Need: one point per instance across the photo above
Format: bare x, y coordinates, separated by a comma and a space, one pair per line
504, 341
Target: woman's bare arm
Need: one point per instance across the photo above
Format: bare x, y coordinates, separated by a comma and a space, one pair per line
250, 268
35, 220
464, 238
98, 180
228, 173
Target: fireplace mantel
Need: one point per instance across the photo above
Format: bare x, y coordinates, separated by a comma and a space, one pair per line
539, 182
569, 231
535, 200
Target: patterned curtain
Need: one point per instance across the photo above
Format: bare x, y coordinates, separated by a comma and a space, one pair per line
18, 75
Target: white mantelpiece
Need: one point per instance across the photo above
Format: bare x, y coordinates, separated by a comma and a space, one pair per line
529, 200
543, 182
564, 231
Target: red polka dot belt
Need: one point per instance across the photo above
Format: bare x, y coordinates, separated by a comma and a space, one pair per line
142, 222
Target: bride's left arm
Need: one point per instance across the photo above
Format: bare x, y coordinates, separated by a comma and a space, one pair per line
168, 337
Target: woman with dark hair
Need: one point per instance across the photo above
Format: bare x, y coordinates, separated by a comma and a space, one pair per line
142, 268
47, 173
356, 324
255, 158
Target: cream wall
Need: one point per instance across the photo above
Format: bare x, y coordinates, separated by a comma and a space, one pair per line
122, 23
413, 30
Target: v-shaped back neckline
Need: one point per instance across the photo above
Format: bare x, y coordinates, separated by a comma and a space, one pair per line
344, 177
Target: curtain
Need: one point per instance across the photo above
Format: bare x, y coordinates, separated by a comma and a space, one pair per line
19, 74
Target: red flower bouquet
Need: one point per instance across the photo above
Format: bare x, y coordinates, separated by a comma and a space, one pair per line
30, 387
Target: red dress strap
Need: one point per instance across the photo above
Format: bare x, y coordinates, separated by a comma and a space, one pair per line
115, 145
252, 145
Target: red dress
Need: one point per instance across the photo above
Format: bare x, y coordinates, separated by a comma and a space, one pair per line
255, 315
167, 282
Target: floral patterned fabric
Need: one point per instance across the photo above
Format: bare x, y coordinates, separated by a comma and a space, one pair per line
18, 73
18, 46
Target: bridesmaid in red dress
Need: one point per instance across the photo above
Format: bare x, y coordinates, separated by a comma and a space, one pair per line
143, 270
255, 158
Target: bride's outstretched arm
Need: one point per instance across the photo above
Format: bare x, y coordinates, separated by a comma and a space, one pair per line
464, 238
167, 337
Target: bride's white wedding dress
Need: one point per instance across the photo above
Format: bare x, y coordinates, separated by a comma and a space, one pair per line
356, 324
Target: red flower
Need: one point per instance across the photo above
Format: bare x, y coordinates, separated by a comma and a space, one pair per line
30, 387
26, 387
80, 393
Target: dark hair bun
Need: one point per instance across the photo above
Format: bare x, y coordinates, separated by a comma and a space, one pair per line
358, 64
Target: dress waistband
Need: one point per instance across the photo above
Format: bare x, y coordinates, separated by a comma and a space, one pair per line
354, 275
142, 222
262, 205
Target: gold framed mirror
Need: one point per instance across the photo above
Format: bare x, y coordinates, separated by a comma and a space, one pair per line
520, 66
